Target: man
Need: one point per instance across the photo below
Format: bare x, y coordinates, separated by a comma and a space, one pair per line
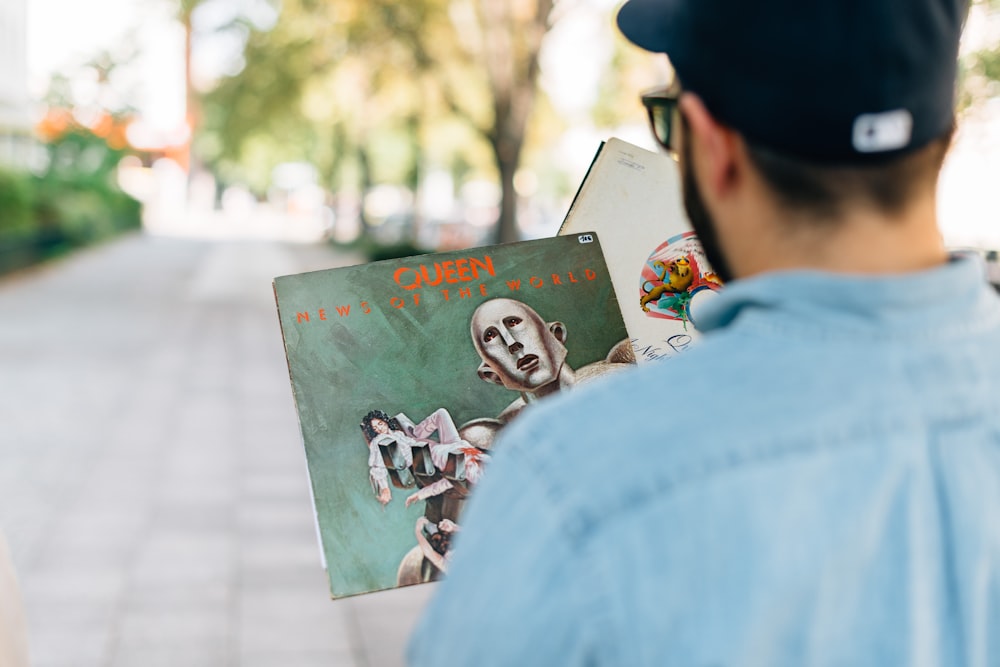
523, 352
818, 481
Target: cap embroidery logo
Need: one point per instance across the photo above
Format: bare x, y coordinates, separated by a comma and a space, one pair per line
886, 131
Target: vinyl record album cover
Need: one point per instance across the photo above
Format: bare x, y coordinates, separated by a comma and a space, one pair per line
405, 371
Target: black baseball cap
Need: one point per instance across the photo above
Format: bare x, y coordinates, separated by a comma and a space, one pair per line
828, 81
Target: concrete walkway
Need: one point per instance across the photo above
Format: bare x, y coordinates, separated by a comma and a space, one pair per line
152, 480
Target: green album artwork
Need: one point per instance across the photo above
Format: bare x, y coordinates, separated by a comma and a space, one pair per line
405, 372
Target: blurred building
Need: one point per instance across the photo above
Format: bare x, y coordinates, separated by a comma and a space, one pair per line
15, 119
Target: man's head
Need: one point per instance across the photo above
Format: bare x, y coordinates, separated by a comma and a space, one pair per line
830, 108
519, 349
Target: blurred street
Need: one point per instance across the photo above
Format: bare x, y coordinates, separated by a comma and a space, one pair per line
153, 484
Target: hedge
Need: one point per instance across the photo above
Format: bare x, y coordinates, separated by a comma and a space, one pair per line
43, 216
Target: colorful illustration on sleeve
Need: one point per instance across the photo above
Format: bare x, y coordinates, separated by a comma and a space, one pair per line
674, 274
440, 463
434, 462
404, 373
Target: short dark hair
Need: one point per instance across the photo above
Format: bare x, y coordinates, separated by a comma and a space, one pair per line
823, 190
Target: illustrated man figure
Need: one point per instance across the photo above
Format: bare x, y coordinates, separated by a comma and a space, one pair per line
817, 481
523, 352
382, 430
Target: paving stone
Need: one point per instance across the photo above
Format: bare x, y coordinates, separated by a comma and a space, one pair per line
207, 655
301, 620
300, 658
383, 622
153, 486
206, 628
84, 648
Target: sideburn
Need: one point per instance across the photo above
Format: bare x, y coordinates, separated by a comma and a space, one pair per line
701, 220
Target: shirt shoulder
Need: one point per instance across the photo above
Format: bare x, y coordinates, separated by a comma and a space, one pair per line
592, 442
744, 396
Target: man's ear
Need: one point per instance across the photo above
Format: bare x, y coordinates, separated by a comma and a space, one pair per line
719, 148
487, 374
558, 330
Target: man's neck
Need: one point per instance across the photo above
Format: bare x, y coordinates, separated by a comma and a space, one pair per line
861, 242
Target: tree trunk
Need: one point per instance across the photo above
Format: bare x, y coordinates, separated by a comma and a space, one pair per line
512, 38
506, 229
414, 174
192, 112
366, 184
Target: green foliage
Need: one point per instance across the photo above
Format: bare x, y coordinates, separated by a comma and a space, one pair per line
979, 78
316, 87
629, 71
74, 202
988, 62
377, 253
82, 154
979, 71
81, 210
77, 193
75, 199
16, 203
372, 89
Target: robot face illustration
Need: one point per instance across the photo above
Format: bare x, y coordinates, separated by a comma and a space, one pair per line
522, 351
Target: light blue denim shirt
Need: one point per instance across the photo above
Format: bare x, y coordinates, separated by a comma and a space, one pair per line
816, 483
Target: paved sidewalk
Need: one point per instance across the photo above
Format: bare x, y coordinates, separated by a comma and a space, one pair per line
152, 480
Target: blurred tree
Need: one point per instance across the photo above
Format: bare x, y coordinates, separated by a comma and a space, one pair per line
185, 13
204, 19
329, 74
86, 114
75, 197
979, 70
504, 38
629, 71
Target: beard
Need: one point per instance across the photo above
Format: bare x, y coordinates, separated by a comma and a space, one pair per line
701, 220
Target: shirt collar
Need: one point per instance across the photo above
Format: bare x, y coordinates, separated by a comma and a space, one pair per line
954, 290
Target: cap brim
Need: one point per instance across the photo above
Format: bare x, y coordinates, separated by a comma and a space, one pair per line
643, 21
